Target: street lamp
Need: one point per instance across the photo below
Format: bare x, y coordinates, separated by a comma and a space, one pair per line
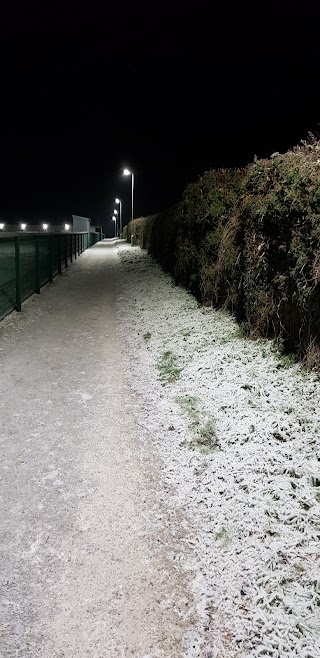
1, 227
120, 207
115, 225
23, 227
45, 227
126, 172
67, 226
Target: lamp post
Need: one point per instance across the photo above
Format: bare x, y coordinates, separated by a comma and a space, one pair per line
115, 225
115, 214
129, 173
120, 210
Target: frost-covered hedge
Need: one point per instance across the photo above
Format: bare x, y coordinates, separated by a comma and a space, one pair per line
249, 241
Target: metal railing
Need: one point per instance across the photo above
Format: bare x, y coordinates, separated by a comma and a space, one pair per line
28, 262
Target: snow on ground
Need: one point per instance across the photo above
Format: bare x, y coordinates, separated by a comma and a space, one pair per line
238, 435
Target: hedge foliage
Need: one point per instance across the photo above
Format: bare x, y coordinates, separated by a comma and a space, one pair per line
249, 240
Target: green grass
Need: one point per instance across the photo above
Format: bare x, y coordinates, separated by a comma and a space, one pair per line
286, 361
169, 371
189, 405
206, 436
223, 537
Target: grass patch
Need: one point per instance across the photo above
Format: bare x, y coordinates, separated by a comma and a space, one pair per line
286, 361
169, 371
206, 435
223, 537
189, 405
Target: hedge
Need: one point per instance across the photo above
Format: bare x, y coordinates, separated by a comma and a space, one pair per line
249, 241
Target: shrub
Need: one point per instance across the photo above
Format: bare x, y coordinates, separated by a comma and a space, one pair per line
249, 240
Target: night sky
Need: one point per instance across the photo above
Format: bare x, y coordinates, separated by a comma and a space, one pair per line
169, 91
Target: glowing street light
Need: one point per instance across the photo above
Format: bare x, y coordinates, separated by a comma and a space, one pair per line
23, 227
126, 172
45, 227
115, 225
120, 208
115, 212
67, 226
1, 227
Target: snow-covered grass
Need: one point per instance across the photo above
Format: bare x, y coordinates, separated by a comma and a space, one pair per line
237, 430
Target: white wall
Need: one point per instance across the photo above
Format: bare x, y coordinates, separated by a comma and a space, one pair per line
80, 224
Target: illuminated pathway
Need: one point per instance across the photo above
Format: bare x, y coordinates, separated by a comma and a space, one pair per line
84, 564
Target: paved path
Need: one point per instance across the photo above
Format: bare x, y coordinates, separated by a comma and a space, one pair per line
83, 570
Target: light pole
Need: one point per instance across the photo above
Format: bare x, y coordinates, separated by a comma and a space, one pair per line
129, 173
120, 209
115, 214
115, 225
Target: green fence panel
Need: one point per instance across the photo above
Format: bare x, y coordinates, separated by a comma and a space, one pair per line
7, 276
55, 254
94, 237
44, 259
69, 247
41, 257
27, 266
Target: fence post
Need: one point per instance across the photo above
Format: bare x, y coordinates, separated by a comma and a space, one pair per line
75, 247
66, 253
50, 258
38, 264
60, 254
71, 238
18, 274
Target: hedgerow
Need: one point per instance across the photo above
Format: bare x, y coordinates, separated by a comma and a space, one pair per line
249, 240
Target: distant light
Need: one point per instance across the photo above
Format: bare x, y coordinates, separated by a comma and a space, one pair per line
45, 227
67, 226
1, 227
117, 200
115, 212
23, 227
126, 172
114, 219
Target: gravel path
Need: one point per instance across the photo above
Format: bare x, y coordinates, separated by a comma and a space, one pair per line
86, 537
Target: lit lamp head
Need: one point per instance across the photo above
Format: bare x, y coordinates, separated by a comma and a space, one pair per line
45, 227
67, 226
1, 226
115, 212
117, 200
23, 227
126, 172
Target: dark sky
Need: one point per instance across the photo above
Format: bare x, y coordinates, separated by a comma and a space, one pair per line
168, 90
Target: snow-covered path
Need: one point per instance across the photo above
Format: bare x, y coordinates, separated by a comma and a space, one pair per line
159, 476
85, 535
